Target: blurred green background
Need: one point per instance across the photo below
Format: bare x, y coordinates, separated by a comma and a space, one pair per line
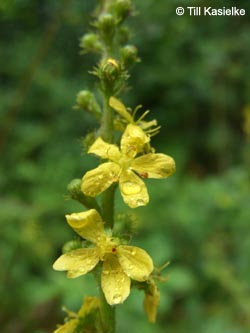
195, 77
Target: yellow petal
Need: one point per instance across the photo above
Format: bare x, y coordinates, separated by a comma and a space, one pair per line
133, 140
120, 108
154, 165
115, 283
77, 262
68, 327
88, 225
135, 262
98, 180
133, 189
105, 150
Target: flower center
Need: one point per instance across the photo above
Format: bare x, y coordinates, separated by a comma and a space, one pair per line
107, 246
124, 162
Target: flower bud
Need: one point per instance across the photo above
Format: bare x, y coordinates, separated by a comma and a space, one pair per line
86, 100
110, 69
90, 43
88, 140
124, 35
74, 188
129, 55
71, 245
122, 9
106, 24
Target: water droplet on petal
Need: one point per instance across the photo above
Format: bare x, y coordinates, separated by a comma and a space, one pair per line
129, 188
105, 272
133, 252
117, 298
140, 202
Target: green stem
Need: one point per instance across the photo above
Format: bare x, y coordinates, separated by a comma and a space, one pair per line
106, 129
107, 315
108, 204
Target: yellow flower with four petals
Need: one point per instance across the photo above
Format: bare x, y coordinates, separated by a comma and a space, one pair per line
120, 262
127, 169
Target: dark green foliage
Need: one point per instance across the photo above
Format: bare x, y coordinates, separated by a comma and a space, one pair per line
194, 76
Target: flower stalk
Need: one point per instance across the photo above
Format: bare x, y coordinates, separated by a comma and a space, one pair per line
107, 314
123, 144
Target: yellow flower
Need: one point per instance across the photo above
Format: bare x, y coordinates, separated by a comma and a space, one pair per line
120, 262
127, 169
120, 108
